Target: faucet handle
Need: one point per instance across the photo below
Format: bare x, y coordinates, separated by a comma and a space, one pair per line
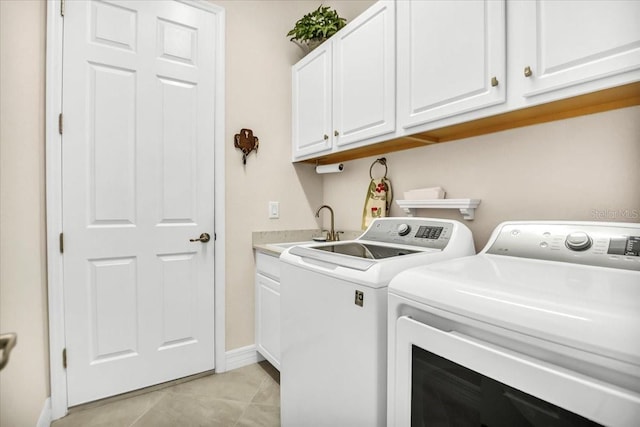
338, 233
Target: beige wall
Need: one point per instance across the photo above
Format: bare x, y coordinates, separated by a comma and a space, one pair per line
258, 74
565, 170
23, 294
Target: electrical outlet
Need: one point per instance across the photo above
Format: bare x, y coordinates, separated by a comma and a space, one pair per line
274, 210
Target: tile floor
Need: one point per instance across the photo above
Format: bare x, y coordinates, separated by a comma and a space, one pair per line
244, 397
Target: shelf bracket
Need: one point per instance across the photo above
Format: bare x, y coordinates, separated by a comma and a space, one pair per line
468, 213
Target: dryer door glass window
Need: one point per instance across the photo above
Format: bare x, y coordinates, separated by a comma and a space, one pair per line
444, 393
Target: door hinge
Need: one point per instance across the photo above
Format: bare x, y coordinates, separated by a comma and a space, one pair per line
64, 358
61, 243
60, 123
61, 7
215, 236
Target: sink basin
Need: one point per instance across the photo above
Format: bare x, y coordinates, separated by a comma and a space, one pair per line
289, 244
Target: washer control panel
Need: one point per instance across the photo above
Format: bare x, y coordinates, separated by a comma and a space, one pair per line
614, 245
421, 232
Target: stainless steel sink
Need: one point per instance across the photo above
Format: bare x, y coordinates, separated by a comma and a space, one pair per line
289, 244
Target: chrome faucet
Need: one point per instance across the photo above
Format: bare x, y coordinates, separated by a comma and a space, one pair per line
332, 236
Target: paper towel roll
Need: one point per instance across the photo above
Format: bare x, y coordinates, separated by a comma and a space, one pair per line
336, 167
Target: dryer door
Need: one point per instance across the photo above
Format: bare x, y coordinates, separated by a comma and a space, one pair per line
447, 378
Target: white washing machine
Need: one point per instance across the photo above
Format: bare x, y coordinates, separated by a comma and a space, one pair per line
542, 327
334, 325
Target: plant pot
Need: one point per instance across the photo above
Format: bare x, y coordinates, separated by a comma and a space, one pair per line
308, 45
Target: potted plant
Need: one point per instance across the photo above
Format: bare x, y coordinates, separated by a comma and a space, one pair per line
316, 27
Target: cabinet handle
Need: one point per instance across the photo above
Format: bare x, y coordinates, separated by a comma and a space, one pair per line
326, 136
336, 133
527, 71
494, 81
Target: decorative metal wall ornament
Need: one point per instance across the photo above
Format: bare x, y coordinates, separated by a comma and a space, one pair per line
246, 142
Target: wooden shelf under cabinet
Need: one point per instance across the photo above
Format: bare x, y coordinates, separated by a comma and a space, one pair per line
596, 102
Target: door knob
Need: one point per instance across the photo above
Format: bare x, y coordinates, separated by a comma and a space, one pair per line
204, 238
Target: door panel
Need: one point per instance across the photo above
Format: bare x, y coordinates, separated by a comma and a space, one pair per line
179, 161
112, 144
452, 50
567, 45
137, 148
364, 76
113, 308
311, 103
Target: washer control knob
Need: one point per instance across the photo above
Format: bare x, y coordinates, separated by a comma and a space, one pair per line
578, 241
404, 229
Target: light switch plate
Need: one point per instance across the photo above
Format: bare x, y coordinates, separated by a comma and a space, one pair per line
274, 210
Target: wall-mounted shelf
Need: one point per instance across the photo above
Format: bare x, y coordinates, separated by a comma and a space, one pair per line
467, 207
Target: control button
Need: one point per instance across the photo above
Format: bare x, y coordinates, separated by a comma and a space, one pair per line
404, 229
546, 234
515, 232
578, 241
543, 244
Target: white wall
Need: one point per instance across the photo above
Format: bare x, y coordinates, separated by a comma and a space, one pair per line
565, 170
24, 381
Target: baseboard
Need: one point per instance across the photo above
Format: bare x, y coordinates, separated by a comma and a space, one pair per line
243, 356
45, 415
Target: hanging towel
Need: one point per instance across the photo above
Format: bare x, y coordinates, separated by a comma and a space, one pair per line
378, 199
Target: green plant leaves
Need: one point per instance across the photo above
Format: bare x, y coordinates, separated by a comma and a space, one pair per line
320, 24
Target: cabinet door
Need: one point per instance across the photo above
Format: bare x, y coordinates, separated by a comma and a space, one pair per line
268, 319
448, 54
364, 76
568, 43
311, 102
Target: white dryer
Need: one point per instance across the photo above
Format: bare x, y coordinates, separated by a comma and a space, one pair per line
542, 327
334, 325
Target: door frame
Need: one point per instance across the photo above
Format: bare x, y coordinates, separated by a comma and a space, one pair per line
53, 165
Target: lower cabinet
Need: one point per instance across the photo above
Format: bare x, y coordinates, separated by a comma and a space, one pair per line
268, 307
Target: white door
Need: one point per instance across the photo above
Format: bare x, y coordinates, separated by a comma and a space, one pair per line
364, 95
311, 102
567, 43
138, 180
451, 58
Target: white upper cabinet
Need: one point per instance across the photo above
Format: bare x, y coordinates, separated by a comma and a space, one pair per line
462, 68
568, 43
344, 91
364, 76
311, 102
451, 58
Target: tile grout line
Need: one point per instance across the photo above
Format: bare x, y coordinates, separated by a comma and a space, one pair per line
164, 393
250, 401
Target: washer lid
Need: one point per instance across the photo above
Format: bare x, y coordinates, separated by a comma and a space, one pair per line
595, 309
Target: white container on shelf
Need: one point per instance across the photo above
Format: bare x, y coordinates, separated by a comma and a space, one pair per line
425, 193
